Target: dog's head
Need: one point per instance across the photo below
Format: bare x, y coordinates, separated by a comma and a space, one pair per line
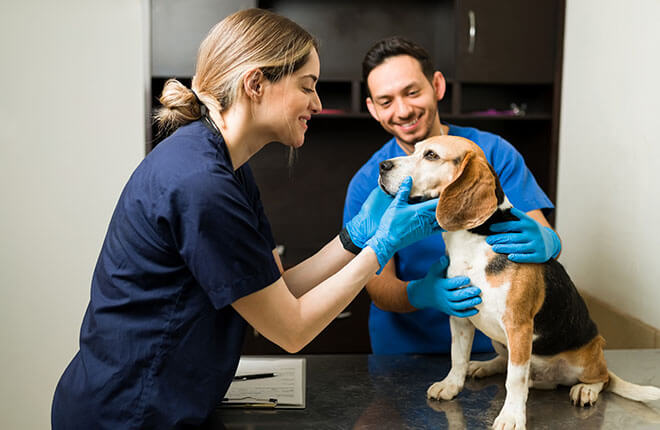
453, 169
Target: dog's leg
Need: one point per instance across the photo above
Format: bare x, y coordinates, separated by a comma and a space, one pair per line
462, 333
482, 369
513, 413
594, 374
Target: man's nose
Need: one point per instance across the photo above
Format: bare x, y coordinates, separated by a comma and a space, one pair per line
402, 109
386, 165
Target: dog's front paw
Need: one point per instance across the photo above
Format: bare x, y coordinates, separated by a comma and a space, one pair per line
446, 389
509, 421
482, 369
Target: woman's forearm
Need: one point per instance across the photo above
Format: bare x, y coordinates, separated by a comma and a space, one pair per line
317, 268
320, 306
292, 322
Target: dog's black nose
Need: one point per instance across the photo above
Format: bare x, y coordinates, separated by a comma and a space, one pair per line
386, 165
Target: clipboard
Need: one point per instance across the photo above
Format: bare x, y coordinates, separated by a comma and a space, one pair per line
285, 390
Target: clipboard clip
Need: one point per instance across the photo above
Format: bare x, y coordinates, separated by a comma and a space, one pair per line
248, 402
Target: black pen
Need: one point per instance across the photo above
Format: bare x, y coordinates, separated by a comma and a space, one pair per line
254, 376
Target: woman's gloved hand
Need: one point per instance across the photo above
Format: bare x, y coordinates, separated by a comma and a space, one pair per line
452, 296
403, 224
363, 225
525, 240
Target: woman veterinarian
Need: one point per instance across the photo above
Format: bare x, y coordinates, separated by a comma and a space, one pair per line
188, 256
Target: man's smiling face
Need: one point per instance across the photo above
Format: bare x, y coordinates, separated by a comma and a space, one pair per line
403, 100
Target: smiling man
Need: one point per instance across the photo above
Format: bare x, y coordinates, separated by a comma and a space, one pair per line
410, 310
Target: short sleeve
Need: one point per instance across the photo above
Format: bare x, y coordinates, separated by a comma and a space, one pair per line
221, 236
357, 192
365, 180
517, 180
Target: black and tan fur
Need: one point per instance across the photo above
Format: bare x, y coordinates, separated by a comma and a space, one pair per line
533, 313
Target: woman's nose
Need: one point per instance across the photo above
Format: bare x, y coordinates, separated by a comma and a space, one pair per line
316, 104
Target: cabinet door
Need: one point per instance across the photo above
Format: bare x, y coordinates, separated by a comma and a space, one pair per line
506, 41
178, 27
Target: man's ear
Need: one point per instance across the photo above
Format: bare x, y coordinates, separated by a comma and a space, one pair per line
372, 109
253, 83
439, 85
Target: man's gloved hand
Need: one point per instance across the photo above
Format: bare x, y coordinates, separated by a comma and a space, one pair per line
363, 225
403, 224
452, 296
525, 240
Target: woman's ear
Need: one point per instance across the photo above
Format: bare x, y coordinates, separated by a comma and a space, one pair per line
470, 199
253, 83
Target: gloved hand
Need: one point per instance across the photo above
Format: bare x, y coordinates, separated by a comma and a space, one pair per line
452, 296
403, 224
363, 225
525, 240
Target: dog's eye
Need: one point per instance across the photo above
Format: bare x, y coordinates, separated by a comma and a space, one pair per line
430, 155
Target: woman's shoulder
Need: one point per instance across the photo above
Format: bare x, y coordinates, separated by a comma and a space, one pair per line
185, 162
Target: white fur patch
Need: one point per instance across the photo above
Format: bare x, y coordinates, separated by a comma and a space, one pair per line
469, 257
513, 413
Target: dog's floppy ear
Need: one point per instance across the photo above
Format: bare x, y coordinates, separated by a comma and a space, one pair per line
470, 199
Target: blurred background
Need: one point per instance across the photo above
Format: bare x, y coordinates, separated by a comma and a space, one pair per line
572, 84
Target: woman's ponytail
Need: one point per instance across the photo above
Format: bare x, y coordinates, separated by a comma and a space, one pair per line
180, 106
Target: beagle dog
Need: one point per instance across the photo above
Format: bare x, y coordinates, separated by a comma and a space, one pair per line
538, 323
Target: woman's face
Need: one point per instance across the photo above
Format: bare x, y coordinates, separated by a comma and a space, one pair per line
291, 101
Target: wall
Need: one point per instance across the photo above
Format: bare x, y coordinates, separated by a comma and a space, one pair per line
72, 110
609, 153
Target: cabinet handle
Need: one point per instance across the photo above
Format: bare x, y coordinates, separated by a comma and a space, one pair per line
472, 32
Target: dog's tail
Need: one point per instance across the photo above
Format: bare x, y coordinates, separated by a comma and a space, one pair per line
640, 393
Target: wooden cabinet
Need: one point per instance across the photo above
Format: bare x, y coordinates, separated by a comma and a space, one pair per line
177, 29
507, 41
502, 60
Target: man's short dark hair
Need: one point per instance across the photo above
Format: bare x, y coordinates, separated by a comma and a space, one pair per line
392, 47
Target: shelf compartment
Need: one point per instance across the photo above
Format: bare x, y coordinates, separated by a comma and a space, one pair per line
497, 100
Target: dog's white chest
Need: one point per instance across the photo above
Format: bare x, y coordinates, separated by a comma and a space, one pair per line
468, 256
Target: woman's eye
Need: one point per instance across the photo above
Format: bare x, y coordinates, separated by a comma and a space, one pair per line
430, 155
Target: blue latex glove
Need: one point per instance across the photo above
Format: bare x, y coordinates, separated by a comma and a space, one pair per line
403, 224
525, 240
452, 296
363, 225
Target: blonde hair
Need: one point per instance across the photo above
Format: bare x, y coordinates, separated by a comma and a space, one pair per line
244, 41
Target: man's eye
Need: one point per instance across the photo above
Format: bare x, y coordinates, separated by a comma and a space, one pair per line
430, 155
308, 90
385, 103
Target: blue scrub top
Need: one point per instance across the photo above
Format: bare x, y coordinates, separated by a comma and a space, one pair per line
160, 342
427, 330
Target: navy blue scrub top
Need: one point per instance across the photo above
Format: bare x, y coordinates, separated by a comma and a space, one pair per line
159, 342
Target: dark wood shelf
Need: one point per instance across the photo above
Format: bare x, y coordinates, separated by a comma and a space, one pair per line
526, 117
515, 59
444, 116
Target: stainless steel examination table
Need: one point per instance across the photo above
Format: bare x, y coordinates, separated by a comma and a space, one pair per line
389, 392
